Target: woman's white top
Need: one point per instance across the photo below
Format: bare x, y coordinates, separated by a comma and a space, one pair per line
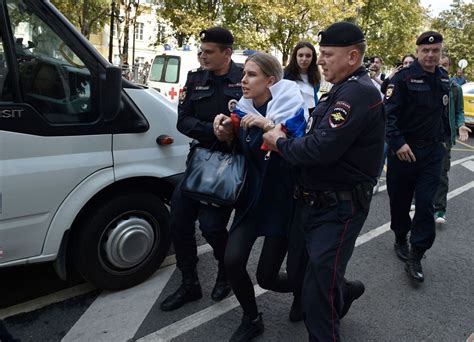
307, 90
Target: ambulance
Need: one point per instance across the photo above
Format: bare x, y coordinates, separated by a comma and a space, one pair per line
169, 71
88, 160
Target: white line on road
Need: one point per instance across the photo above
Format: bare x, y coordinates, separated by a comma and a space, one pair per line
41, 302
197, 319
190, 322
116, 316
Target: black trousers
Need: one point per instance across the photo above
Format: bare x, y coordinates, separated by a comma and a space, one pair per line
212, 222
329, 236
239, 246
420, 178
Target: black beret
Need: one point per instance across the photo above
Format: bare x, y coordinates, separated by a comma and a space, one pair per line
429, 37
341, 34
217, 35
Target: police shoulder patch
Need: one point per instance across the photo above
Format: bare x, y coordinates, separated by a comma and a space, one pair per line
339, 114
182, 96
389, 91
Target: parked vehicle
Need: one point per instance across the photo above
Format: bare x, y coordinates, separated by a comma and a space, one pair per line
468, 93
170, 69
88, 160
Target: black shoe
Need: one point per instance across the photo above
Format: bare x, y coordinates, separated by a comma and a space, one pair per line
248, 329
413, 265
296, 311
354, 289
222, 287
401, 250
189, 291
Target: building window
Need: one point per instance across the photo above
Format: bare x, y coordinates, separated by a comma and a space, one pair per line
139, 31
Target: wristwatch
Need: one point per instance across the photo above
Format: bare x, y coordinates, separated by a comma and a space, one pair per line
268, 126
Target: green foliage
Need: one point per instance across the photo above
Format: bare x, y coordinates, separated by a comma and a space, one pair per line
457, 27
391, 27
89, 16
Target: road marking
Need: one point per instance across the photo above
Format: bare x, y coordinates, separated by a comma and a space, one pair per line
41, 302
469, 165
193, 321
116, 316
465, 144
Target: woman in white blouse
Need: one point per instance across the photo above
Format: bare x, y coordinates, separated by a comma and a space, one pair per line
304, 71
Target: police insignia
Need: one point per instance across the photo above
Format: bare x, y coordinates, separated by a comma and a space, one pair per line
182, 96
339, 114
309, 125
389, 91
232, 105
445, 100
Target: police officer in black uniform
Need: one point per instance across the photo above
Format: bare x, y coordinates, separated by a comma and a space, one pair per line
417, 106
207, 93
338, 161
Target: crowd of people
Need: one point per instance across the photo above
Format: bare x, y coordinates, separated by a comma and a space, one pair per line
310, 195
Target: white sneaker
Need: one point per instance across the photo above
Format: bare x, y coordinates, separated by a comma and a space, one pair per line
376, 188
412, 207
440, 217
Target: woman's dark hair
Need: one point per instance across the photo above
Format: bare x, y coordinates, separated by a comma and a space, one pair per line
409, 55
292, 71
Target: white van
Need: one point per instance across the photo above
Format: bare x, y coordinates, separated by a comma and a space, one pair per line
170, 69
88, 160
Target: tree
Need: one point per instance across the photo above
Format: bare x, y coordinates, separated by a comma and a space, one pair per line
89, 16
457, 27
188, 17
391, 27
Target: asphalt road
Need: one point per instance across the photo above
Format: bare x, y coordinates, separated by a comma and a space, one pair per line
36, 306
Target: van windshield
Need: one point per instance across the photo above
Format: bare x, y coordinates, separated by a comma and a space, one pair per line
157, 69
165, 69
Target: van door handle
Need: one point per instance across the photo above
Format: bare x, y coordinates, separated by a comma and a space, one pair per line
164, 139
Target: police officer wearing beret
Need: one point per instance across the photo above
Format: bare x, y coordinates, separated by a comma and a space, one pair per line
338, 161
416, 102
208, 92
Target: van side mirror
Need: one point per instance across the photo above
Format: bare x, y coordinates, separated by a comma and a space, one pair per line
111, 92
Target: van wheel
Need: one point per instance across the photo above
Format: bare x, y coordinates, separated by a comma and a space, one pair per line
121, 242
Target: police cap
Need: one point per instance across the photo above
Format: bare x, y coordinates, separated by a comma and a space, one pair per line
341, 34
217, 35
429, 37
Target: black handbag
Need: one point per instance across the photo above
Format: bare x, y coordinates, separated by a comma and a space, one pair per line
214, 177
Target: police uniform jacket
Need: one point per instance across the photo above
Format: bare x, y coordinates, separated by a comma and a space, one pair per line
416, 104
344, 139
204, 96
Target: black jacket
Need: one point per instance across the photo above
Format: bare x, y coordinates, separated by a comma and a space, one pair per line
344, 139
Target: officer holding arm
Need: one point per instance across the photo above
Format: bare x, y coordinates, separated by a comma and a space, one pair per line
338, 161
207, 93
417, 106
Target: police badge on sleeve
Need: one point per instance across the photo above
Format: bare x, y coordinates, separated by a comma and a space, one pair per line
339, 114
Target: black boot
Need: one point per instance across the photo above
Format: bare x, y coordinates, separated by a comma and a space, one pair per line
248, 329
296, 311
354, 289
401, 248
190, 290
222, 287
413, 265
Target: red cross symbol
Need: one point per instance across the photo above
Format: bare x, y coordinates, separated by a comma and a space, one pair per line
172, 93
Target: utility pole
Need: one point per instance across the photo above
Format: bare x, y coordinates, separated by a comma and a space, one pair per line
111, 38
